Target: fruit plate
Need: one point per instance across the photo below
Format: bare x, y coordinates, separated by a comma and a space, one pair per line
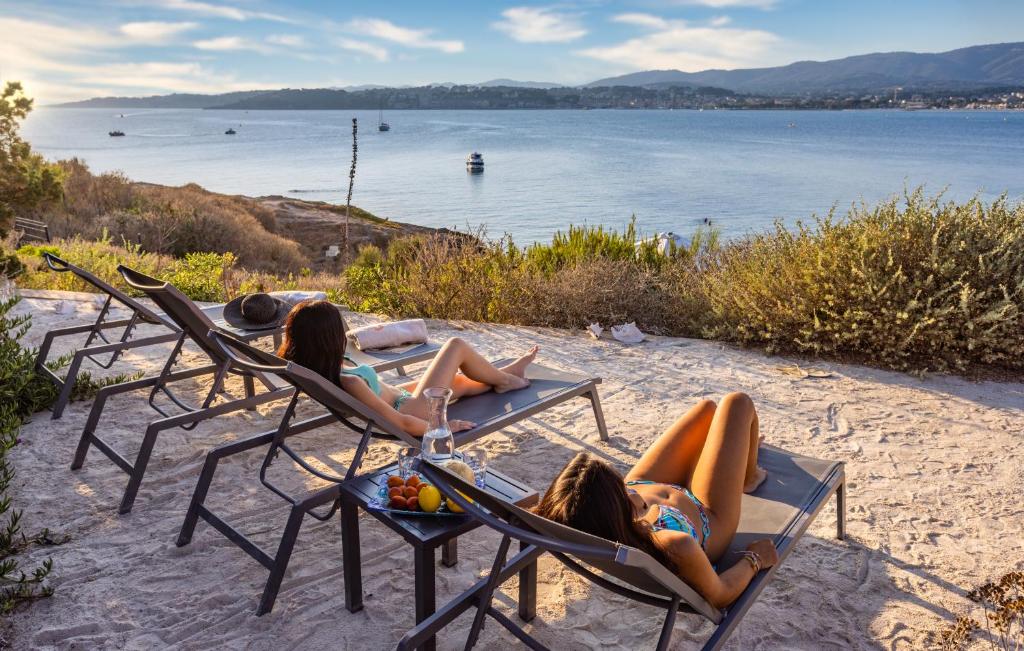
380, 503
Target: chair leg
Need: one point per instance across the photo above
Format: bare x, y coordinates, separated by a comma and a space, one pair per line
351, 556
139, 468
595, 401
450, 553
68, 386
666, 628
284, 554
841, 511
527, 589
198, 499
90, 427
488, 593
250, 390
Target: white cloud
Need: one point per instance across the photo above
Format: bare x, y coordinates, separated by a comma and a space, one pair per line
219, 11
375, 51
539, 25
230, 44
677, 44
287, 40
642, 20
154, 32
720, 21
59, 63
721, 4
388, 31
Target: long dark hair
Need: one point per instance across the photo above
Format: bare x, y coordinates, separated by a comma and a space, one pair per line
589, 495
314, 336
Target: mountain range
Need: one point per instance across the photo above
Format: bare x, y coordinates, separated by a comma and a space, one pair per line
982, 66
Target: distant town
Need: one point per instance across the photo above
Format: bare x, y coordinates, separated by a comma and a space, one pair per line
605, 97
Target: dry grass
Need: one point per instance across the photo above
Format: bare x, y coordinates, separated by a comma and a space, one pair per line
171, 221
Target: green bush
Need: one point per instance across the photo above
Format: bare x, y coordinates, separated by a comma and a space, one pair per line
22, 392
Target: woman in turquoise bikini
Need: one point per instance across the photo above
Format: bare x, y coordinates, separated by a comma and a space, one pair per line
681, 502
314, 337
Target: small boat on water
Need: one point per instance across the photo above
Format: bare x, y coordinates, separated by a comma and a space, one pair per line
475, 163
230, 132
115, 134
381, 124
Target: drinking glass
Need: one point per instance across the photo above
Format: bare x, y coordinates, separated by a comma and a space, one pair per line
406, 456
477, 460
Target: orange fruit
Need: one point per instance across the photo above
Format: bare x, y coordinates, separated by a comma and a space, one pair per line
399, 502
413, 480
410, 491
395, 480
396, 490
413, 503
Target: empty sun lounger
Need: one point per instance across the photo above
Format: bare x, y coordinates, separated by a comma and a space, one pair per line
103, 347
490, 411
194, 325
781, 509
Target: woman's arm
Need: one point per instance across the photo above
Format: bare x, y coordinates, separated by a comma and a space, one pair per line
720, 590
406, 422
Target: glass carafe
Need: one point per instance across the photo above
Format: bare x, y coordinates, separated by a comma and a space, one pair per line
438, 444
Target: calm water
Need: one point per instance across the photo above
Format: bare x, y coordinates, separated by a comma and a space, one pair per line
546, 169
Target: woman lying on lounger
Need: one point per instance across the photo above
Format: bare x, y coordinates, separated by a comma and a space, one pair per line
314, 337
681, 502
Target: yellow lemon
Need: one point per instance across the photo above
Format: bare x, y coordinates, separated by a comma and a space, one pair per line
429, 498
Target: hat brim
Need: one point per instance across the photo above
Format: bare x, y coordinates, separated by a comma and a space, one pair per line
233, 315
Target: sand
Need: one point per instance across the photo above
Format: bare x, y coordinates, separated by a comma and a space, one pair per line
934, 472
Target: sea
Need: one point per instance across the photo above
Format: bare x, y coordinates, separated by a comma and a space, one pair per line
674, 170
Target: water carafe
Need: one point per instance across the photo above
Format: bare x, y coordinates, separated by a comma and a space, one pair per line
438, 444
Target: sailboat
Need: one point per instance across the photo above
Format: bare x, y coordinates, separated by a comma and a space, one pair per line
382, 125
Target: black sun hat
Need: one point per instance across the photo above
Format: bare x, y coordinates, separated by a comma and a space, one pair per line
256, 312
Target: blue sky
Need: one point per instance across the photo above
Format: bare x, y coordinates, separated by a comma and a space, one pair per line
72, 49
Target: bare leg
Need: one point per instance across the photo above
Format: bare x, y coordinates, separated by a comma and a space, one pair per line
462, 386
457, 355
673, 456
726, 465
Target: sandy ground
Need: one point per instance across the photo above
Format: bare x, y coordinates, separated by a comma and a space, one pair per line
934, 467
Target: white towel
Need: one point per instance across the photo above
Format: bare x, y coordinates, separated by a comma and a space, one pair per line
296, 297
389, 335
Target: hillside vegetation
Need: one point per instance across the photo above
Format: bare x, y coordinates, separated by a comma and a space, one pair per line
913, 284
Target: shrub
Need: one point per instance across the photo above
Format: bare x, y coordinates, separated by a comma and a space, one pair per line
22, 392
1001, 603
922, 285
172, 221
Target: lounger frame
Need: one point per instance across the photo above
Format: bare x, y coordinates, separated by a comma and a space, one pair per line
194, 325
99, 349
627, 565
344, 409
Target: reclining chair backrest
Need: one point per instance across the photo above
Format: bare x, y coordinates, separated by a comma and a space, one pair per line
644, 578
179, 308
60, 265
317, 387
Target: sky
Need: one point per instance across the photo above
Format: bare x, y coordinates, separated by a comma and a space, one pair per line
73, 49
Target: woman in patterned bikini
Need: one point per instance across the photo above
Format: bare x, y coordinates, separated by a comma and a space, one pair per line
681, 502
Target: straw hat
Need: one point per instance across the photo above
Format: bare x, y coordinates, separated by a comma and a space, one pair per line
256, 312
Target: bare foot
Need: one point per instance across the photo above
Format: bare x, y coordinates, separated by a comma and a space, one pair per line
514, 382
518, 367
760, 474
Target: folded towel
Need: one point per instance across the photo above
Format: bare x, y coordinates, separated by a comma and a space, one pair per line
296, 297
389, 335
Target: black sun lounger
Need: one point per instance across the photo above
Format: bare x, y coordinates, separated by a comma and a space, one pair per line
781, 509
490, 411
193, 324
98, 348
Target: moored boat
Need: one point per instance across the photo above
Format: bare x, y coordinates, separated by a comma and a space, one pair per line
230, 132
115, 134
475, 162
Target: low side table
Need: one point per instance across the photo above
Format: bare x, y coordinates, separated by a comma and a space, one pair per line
425, 534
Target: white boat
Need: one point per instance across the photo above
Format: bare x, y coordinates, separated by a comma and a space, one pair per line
475, 162
381, 124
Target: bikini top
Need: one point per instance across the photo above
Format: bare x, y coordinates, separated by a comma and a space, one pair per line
672, 519
366, 374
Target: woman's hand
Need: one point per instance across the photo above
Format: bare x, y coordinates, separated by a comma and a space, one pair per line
765, 550
460, 425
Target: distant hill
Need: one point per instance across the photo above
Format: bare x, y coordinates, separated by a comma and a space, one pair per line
512, 83
981, 66
176, 100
